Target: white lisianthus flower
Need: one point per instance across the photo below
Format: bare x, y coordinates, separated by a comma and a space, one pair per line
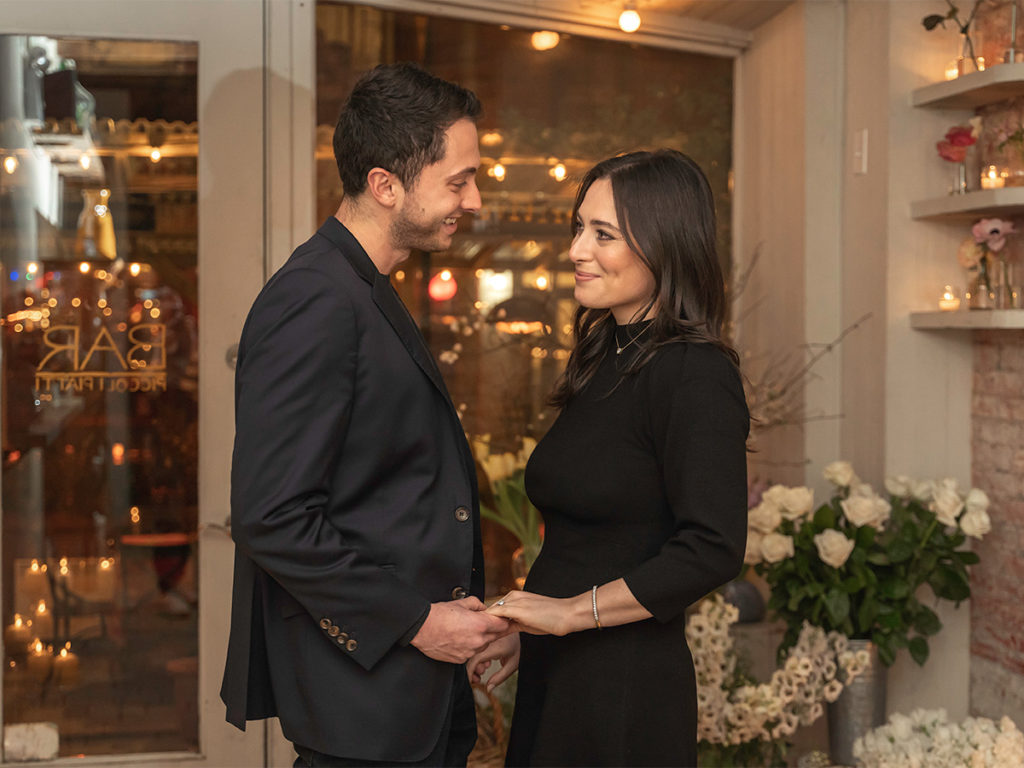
946, 504
833, 547
753, 554
976, 499
899, 485
862, 509
765, 517
775, 547
840, 473
797, 502
975, 523
832, 690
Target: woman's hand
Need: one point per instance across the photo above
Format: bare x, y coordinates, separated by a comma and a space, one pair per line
505, 650
540, 615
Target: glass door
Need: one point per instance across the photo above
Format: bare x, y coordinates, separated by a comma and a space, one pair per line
131, 244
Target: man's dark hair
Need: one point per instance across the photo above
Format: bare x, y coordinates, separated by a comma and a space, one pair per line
395, 118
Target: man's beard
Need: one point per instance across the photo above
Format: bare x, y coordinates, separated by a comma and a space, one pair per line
406, 234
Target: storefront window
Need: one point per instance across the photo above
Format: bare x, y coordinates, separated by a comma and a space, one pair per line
497, 307
98, 241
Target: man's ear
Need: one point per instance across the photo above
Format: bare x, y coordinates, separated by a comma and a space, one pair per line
384, 186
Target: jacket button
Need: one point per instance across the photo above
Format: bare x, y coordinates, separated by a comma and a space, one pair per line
461, 514
343, 638
458, 593
325, 624
351, 645
334, 631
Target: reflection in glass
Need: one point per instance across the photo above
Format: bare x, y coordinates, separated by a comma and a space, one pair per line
98, 238
502, 336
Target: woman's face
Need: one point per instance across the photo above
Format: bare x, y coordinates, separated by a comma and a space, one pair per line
608, 274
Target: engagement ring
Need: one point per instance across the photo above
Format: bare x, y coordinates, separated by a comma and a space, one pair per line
502, 601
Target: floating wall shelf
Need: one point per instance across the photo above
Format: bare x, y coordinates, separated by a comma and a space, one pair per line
1008, 201
997, 83
979, 319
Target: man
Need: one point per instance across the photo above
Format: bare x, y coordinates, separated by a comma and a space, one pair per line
358, 566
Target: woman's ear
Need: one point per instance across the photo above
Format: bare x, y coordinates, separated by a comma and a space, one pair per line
384, 186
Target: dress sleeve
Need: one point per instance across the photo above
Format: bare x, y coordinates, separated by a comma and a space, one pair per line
699, 424
294, 397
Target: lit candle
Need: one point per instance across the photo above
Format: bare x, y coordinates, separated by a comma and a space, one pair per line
992, 179
40, 660
17, 636
65, 667
34, 583
43, 620
949, 301
106, 579
952, 70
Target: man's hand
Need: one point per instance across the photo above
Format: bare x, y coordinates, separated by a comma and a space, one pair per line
454, 631
505, 650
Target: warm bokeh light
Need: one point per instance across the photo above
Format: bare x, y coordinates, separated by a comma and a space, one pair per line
544, 39
629, 19
84, 267
442, 286
10, 163
134, 268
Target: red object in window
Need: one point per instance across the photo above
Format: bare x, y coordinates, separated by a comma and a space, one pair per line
442, 286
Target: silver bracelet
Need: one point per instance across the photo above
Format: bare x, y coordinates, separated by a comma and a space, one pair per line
593, 602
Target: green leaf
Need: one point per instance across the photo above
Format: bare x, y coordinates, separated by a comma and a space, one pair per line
867, 613
879, 558
825, 517
948, 584
919, 650
886, 649
927, 621
837, 604
865, 536
852, 584
901, 550
968, 558
894, 589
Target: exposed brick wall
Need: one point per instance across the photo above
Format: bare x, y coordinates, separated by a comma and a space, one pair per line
997, 459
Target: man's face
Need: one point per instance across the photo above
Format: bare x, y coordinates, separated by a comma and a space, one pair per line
427, 216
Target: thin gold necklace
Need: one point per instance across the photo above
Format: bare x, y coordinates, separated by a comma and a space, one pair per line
618, 349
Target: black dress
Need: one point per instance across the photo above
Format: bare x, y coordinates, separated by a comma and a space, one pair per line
645, 480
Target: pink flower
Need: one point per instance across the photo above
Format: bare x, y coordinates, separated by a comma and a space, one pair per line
952, 152
961, 136
992, 233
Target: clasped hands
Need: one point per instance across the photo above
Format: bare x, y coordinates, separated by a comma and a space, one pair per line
467, 631
525, 612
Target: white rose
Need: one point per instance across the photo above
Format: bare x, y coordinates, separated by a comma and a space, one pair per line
833, 547
765, 517
899, 485
976, 499
975, 522
753, 553
775, 547
774, 494
946, 504
949, 483
923, 490
840, 473
866, 510
797, 502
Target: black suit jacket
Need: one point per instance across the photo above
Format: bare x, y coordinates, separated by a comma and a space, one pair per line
353, 507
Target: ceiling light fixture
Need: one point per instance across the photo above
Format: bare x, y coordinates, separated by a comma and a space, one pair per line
629, 19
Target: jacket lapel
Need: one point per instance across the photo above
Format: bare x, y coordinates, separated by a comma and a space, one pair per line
387, 301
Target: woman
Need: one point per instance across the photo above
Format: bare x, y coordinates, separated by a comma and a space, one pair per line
641, 480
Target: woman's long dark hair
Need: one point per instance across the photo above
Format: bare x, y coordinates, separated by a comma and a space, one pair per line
667, 217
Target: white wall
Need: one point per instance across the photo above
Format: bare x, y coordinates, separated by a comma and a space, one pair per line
846, 242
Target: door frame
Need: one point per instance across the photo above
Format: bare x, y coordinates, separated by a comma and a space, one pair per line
245, 94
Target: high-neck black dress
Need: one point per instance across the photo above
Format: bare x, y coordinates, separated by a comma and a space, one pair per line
642, 477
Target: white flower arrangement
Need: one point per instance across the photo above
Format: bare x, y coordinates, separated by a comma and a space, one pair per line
855, 564
925, 739
735, 712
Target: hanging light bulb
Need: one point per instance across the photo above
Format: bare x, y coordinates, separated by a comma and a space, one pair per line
629, 19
